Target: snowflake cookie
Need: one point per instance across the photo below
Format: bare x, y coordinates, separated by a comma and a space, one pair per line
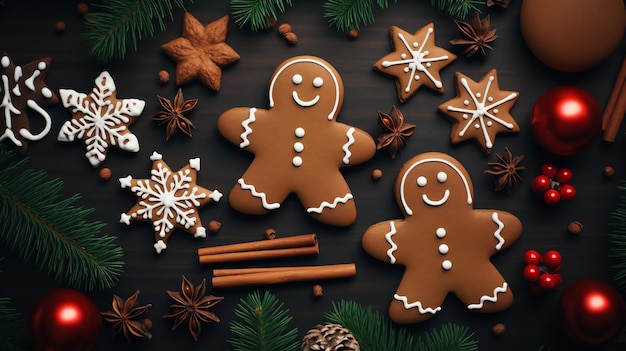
100, 119
169, 200
23, 88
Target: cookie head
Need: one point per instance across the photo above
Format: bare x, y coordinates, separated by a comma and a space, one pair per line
307, 83
431, 181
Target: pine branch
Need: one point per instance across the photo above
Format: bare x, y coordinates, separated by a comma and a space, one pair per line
41, 226
263, 326
256, 13
120, 24
617, 240
457, 8
350, 14
12, 331
376, 333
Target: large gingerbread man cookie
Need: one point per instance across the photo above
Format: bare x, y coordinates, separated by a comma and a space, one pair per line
298, 145
443, 242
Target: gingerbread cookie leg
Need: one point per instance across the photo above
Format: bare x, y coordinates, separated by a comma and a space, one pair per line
413, 303
258, 192
489, 292
333, 204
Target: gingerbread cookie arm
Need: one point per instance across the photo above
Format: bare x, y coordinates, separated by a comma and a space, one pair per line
504, 230
237, 125
489, 292
378, 240
357, 146
419, 296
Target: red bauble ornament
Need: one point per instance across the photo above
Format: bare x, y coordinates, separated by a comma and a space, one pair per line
566, 120
65, 320
592, 311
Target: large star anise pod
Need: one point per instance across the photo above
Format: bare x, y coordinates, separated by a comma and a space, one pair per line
477, 35
172, 114
393, 131
191, 304
125, 317
507, 169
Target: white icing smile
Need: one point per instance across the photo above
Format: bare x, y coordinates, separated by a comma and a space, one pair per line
439, 202
305, 103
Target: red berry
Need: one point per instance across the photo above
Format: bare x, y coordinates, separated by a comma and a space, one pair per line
547, 281
552, 259
540, 184
548, 170
532, 257
551, 197
531, 272
567, 192
564, 176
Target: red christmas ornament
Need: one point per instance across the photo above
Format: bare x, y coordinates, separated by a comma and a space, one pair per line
65, 320
592, 311
566, 120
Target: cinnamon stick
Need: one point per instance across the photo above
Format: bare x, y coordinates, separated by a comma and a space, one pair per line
280, 243
617, 88
259, 255
293, 274
221, 272
616, 117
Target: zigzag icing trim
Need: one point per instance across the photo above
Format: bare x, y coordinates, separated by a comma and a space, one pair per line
494, 298
262, 196
247, 130
394, 247
346, 146
327, 204
417, 304
496, 220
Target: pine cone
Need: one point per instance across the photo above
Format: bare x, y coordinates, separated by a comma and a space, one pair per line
329, 337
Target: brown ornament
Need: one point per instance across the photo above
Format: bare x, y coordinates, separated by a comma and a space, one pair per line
125, 317
476, 35
507, 169
393, 131
173, 114
329, 337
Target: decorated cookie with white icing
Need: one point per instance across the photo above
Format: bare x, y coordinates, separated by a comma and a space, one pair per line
444, 243
169, 200
22, 88
298, 145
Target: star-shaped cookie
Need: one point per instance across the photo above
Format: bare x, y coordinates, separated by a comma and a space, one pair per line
23, 88
415, 61
169, 200
480, 110
100, 119
201, 52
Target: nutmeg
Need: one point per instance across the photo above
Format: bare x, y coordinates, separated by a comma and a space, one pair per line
353, 33
498, 329
164, 76
284, 28
377, 174
105, 174
59, 27
214, 226
609, 171
271, 23
575, 227
82, 8
292, 38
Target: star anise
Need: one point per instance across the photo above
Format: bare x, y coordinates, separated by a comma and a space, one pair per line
173, 114
191, 304
393, 131
507, 169
477, 35
502, 3
125, 317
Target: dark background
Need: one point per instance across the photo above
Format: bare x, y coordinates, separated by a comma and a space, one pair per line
26, 34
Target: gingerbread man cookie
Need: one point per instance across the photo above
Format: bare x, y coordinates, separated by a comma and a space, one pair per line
298, 145
444, 243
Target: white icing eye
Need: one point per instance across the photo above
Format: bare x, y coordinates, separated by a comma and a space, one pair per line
318, 82
422, 181
296, 79
442, 177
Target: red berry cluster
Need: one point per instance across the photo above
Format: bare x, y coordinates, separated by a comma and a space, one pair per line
553, 183
542, 273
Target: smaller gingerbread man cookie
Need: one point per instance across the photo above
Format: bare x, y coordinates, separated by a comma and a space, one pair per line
169, 200
444, 243
298, 145
415, 61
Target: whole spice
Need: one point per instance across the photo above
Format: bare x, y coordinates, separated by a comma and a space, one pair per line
353, 33
59, 27
377, 174
609, 172
214, 226
172, 114
164, 76
270, 233
82, 8
393, 131
498, 329
105, 174
125, 317
192, 305
575, 227
318, 291
477, 35
507, 169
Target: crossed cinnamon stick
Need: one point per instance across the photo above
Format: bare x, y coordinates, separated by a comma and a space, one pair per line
616, 107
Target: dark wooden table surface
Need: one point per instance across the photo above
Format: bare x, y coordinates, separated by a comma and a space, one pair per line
26, 33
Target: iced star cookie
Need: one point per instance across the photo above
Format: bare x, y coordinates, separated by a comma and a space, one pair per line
444, 244
169, 200
23, 88
298, 145
480, 110
100, 119
415, 61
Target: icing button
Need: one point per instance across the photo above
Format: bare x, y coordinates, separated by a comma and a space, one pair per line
447, 265
297, 161
441, 233
298, 147
299, 132
443, 249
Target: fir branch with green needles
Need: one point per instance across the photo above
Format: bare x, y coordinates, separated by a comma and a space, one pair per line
374, 332
351, 14
457, 8
256, 13
263, 326
12, 331
617, 239
40, 225
120, 24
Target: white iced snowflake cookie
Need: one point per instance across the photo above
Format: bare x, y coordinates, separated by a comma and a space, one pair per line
169, 200
100, 119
